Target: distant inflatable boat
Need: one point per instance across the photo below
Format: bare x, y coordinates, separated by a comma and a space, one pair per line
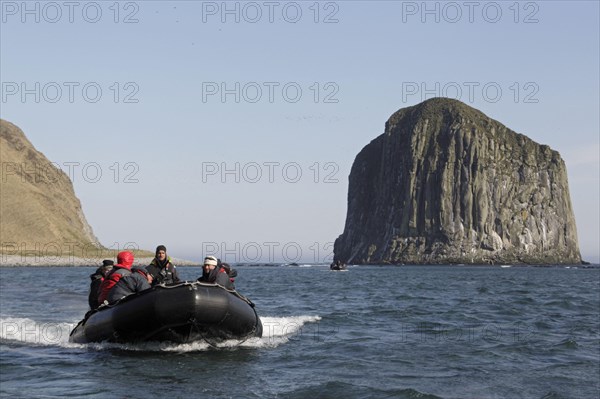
181, 313
338, 267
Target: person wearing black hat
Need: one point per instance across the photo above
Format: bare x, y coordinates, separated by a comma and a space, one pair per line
161, 269
97, 279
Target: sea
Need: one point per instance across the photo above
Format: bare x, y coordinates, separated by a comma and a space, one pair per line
368, 332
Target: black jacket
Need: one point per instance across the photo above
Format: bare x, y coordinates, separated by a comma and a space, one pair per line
96, 278
217, 276
162, 272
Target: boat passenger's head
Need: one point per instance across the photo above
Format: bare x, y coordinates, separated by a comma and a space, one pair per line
107, 266
226, 267
161, 252
210, 262
125, 259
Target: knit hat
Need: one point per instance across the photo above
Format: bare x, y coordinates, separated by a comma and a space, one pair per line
161, 248
210, 260
107, 262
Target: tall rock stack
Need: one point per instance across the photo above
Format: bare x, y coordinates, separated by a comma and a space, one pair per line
446, 184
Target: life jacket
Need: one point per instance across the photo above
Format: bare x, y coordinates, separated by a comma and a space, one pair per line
162, 272
110, 281
123, 268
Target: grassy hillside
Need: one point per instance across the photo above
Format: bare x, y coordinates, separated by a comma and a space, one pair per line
39, 212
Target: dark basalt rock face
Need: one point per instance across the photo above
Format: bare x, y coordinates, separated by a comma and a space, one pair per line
447, 184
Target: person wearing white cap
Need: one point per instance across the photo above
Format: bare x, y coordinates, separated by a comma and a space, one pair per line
213, 273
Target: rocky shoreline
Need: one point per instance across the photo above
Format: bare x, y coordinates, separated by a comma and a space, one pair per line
74, 261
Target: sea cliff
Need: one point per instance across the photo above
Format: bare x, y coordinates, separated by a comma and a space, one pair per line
446, 184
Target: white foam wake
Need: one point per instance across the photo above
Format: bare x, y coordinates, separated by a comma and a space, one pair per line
276, 331
32, 332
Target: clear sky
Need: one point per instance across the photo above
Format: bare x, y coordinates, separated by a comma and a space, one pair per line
231, 127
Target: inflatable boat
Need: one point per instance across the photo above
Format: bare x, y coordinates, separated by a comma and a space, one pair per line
337, 267
180, 313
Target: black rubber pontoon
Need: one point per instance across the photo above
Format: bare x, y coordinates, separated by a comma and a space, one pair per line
185, 312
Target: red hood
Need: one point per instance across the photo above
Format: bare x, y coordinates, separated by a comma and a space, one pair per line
125, 259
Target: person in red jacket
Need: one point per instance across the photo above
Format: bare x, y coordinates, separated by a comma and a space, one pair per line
121, 278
